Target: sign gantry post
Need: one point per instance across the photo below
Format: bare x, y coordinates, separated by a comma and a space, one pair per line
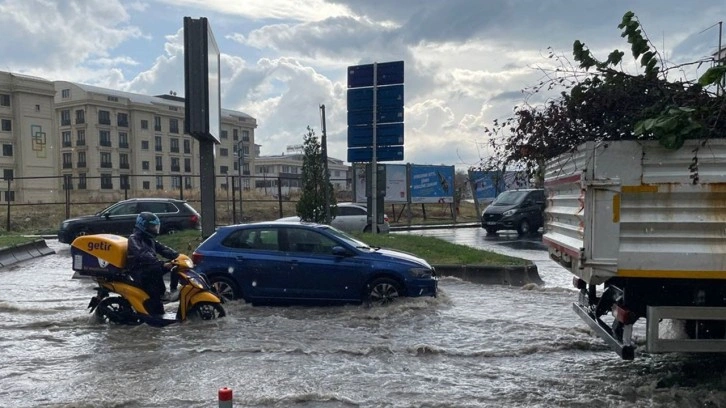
375, 106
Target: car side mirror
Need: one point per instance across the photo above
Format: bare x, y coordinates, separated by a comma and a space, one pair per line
340, 251
106, 215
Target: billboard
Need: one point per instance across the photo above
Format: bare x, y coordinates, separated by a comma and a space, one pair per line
396, 191
202, 94
432, 184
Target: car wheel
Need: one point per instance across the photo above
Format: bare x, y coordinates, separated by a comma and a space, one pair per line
490, 230
225, 287
524, 227
382, 291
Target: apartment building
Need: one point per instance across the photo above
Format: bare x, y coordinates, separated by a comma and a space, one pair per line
112, 140
286, 170
29, 157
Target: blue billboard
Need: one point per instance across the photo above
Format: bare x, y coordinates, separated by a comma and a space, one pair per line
432, 184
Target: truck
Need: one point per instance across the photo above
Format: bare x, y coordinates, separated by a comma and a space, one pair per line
642, 229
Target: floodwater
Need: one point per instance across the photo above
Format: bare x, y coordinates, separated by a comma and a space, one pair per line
473, 346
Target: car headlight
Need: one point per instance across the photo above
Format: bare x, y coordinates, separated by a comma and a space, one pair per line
509, 213
421, 272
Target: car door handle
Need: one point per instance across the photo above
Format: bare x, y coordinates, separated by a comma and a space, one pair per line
240, 258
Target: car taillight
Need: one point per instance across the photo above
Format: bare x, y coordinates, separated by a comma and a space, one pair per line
197, 258
385, 218
194, 219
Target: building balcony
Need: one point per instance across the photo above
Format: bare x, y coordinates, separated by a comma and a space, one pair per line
81, 165
106, 165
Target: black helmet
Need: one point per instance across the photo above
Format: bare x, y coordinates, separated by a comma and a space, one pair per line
148, 223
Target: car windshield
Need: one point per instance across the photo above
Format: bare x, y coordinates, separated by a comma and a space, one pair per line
510, 197
347, 238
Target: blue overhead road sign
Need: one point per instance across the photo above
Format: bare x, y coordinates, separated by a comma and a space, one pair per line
387, 97
389, 134
388, 73
383, 153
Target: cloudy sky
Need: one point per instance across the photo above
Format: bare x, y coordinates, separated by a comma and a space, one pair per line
466, 61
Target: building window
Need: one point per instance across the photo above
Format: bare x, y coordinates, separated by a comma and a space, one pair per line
174, 145
173, 125
187, 165
104, 117
7, 150
175, 164
82, 181
9, 196
68, 182
144, 124
146, 185
123, 160
157, 143
144, 145
187, 146
159, 166
67, 160
144, 165
7, 125
65, 117
106, 160
7, 174
104, 137
81, 137
65, 93
224, 152
81, 160
112, 98
245, 135
223, 169
159, 182
106, 181
37, 108
80, 116
245, 151
157, 123
4, 100
124, 180
223, 135
176, 183
66, 137
122, 120
188, 182
123, 140
235, 134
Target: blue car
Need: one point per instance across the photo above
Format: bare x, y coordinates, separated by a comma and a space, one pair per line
294, 262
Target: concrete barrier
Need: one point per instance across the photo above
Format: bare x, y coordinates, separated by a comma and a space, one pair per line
492, 275
24, 252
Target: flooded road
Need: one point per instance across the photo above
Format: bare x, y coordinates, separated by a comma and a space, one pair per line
473, 346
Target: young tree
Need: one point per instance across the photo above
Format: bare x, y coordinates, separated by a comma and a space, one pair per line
311, 206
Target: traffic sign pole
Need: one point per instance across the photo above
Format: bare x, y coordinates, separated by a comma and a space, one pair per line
374, 158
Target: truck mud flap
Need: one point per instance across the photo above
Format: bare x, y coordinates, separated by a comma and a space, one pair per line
605, 333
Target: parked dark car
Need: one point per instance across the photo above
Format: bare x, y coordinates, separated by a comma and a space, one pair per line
521, 210
293, 262
120, 218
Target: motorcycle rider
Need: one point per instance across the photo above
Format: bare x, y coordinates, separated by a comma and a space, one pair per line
143, 263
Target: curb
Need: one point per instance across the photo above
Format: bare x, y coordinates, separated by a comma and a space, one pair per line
492, 275
23, 252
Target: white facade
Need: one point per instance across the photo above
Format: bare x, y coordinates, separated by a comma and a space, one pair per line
27, 136
288, 168
112, 141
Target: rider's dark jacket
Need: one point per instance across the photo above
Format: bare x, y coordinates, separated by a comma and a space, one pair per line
141, 254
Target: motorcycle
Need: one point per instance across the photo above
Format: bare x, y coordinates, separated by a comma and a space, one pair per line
102, 258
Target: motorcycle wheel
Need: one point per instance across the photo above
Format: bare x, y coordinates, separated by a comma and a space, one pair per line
206, 311
116, 310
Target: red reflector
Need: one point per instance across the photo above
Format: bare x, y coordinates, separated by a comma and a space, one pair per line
624, 316
197, 258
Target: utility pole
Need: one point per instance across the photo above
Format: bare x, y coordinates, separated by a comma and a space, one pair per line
326, 178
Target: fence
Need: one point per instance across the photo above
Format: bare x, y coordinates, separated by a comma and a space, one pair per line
42, 203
